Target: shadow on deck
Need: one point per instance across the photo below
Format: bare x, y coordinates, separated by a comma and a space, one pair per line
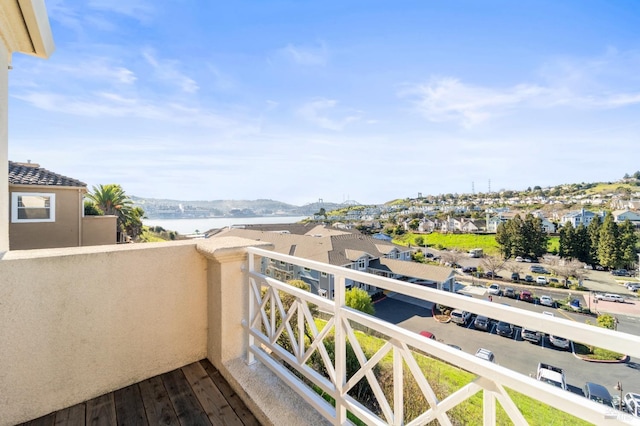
196, 394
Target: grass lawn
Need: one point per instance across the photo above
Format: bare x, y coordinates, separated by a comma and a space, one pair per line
462, 242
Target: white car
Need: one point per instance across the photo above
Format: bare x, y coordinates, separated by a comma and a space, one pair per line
485, 354
559, 342
541, 280
519, 259
610, 297
546, 301
494, 289
632, 401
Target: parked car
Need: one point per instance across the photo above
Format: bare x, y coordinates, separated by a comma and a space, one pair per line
598, 393
469, 269
538, 269
528, 278
634, 288
519, 259
541, 280
515, 276
428, 335
460, 317
546, 301
554, 280
485, 354
559, 342
609, 297
504, 329
482, 323
526, 296
510, 292
531, 335
494, 289
620, 272
632, 402
492, 274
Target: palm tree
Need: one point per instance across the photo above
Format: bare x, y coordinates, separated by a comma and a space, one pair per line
111, 199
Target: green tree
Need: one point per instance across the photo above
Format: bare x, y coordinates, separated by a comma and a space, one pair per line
535, 236
582, 244
419, 240
90, 209
608, 249
593, 230
111, 199
628, 238
414, 224
566, 241
360, 300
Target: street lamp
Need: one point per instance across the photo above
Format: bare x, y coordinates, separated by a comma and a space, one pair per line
618, 387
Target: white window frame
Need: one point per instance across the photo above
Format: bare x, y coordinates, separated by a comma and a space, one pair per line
14, 206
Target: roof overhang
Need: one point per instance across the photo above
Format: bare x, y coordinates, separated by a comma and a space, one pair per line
24, 27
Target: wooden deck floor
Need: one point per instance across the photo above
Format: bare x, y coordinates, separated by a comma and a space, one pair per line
193, 395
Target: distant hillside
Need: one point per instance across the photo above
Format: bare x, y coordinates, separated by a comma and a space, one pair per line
177, 209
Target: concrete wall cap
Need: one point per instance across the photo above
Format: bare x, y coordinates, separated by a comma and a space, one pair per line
228, 248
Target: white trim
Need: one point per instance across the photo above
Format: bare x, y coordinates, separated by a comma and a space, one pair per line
14, 206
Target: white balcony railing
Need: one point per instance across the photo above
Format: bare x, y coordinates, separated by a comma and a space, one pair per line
285, 337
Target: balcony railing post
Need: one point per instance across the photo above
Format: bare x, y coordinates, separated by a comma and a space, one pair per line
228, 297
341, 349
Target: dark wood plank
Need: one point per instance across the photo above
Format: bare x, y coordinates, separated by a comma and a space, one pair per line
186, 405
72, 416
101, 411
129, 407
47, 420
157, 403
214, 403
234, 400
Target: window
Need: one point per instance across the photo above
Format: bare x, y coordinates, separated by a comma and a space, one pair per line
33, 207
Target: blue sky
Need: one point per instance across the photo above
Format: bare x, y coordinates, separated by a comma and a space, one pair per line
362, 100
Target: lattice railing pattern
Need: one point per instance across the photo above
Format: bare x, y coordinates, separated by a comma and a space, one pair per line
285, 337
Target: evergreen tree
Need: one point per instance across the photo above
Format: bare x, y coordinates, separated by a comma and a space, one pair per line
593, 230
582, 244
627, 243
608, 250
565, 249
535, 236
503, 238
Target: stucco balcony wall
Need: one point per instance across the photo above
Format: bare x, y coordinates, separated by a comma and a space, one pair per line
80, 322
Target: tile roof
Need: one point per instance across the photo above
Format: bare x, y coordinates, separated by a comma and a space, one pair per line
33, 174
413, 269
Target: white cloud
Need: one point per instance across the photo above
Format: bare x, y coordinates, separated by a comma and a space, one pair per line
108, 104
448, 99
168, 71
317, 112
306, 55
141, 10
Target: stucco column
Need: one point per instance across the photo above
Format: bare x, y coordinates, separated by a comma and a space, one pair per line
4, 149
228, 296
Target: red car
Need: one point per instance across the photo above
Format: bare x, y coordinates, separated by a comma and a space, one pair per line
428, 335
526, 296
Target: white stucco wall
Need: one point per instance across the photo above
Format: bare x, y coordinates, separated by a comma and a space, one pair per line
80, 322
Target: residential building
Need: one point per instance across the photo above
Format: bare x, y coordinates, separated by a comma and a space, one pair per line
620, 216
581, 216
47, 211
79, 323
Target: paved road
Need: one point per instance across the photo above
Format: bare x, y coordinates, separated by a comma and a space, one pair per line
514, 353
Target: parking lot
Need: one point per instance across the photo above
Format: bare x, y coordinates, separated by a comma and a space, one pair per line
513, 352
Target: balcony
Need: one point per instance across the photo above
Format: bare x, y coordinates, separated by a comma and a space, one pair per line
78, 323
